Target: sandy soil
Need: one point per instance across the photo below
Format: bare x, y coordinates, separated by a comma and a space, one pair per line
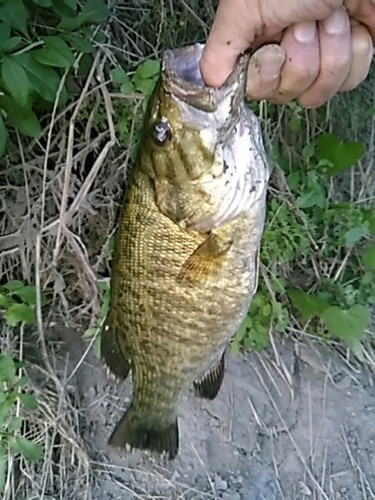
295, 422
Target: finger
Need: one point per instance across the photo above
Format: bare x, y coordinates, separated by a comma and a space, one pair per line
362, 54
263, 74
335, 59
363, 11
301, 68
221, 52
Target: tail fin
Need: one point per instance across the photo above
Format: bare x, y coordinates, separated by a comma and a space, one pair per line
145, 434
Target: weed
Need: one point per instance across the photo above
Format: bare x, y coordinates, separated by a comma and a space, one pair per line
318, 253
41, 46
17, 301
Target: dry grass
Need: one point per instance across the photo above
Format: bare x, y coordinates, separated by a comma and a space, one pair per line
60, 203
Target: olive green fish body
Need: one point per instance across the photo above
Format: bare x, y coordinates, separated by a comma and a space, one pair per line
185, 266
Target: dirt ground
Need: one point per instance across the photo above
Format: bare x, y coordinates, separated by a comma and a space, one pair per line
295, 422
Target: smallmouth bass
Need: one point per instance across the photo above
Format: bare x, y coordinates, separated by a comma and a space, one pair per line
186, 257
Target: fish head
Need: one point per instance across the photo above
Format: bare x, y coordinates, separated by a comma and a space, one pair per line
193, 138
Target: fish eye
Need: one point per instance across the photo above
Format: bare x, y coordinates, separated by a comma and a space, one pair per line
162, 133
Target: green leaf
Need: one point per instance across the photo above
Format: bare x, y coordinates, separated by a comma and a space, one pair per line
44, 3
7, 367
62, 8
70, 23
368, 258
355, 234
357, 349
14, 424
28, 400
17, 313
308, 305
281, 320
257, 338
278, 284
3, 141
144, 85
347, 324
72, 4
79, 43
369, 217
100, 37
13, 285
28, 125
244, 328
19, 364
30, 450
127, 88
4, 33
3, 467
308, 151
50, 57
57, 43
5, 301
294, 180
56, 53
148, 69
314, 196
94, 11
21, 381
44, 79
22, 118
342, 155
15, 80
295, 124
5, 409
10, 44
28, 294
118, 75
97, 347
15, 14
90, 332
145, 77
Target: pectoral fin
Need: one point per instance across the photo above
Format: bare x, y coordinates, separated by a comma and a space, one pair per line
209, 385
111, 352
208, 258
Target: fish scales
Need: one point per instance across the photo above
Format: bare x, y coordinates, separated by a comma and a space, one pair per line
186, 257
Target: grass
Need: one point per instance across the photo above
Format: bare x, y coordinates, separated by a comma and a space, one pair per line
61, 201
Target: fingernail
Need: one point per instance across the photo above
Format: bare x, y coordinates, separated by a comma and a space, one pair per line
337, 22
305, 32
270, 67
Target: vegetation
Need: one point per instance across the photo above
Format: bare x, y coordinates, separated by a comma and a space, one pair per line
18, 301
318, 253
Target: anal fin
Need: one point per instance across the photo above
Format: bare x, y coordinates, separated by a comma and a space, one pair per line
111, 353
209, 385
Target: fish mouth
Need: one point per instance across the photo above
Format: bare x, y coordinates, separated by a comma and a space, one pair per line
181, 77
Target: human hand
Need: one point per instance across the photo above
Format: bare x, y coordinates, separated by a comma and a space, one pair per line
325, 47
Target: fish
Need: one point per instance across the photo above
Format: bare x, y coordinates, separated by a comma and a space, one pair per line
186, 257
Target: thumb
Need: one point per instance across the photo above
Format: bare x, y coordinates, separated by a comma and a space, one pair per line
232, 33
